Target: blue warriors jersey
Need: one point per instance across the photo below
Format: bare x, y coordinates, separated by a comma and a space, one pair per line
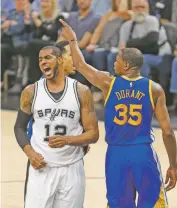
129, 110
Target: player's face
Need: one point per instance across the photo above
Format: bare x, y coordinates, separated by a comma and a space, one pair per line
119, 65
68, 61
48, 63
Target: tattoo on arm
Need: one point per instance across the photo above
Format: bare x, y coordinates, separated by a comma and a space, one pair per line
85, 97
27, 99
89, 119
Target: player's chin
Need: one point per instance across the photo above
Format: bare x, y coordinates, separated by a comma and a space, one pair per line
49, 77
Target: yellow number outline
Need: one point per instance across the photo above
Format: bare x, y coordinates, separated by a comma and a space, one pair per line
133, 111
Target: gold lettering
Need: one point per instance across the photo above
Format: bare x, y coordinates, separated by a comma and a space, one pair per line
133, 93
123, 93
138, 94
127, 93
142, 95
118, 95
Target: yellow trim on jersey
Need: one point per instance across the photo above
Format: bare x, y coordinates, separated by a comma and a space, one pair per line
109, 92
132, 79
150, 94
107, 206
161, 202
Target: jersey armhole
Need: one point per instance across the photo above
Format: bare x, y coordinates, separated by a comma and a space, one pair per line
109, 91
76, 94
150, 94
35, 95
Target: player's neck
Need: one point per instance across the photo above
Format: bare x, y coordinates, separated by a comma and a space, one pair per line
57, 84
134, 74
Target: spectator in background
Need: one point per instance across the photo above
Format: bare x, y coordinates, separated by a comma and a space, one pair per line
147, 34
83, 22
101, 7
68, 5
46, 26
15, 34
36, 5
106, 35
173, 86
174, 12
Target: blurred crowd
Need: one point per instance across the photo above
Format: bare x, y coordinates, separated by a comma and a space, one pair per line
102, 28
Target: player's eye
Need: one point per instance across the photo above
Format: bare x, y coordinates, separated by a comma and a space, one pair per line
48, 57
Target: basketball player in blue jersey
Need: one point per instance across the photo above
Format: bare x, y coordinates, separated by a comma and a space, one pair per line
131, 100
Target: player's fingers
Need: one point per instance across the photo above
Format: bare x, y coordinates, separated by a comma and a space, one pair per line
35, 163
171, 184
167, 179
40, 156
52, 138
43, 164
63, 23
169, 187
56, 144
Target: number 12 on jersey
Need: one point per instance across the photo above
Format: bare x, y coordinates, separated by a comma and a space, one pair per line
131, 114
58, 130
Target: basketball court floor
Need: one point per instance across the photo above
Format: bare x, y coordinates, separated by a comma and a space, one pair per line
13, 168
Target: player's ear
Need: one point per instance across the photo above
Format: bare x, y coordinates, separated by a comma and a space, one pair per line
127, 66
60, 60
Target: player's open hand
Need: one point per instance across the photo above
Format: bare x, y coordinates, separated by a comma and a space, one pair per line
67, 31
36, 159
171, 178
57, 141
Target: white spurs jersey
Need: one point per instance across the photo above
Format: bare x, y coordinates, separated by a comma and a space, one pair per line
56, 117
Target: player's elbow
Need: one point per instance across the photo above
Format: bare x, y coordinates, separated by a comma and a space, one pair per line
95, 136
168, 134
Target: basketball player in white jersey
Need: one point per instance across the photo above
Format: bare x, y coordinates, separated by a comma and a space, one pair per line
62, 110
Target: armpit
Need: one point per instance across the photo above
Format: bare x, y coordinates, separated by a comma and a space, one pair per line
27, 99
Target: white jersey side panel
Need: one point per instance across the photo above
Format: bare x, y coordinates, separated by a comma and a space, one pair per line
56, 117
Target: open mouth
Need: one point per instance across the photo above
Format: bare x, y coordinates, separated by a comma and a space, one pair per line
47, 71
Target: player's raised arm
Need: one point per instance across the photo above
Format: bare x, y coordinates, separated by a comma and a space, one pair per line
20, 128
88, 119
98, 78
167, 133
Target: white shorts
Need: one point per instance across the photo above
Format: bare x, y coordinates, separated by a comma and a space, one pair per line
56, 187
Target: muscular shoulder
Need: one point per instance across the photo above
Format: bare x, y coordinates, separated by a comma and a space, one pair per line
82, 90
85, 96
27, 98
157, 91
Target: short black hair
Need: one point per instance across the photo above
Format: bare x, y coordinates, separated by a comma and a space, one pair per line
55, 51
133, 57
61, 45
58, 49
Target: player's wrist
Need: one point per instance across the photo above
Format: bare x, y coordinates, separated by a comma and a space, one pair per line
73, 41
173, 166
67, 141
27, 149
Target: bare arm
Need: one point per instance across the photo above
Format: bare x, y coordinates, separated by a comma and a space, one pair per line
88, 119
164, 121
97, 78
